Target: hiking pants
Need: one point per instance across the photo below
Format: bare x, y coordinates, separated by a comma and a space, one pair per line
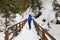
29, 25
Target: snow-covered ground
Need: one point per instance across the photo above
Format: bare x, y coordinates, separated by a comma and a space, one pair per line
54, 30
2, 35
49, 14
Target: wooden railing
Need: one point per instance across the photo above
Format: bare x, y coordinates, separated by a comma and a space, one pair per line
14, 29
42, 32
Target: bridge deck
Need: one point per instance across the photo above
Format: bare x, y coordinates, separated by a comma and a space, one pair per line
27, 34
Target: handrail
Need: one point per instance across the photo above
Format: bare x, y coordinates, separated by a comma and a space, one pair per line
42, 31
14, 29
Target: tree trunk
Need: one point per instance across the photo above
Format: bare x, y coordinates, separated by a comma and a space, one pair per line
6, 22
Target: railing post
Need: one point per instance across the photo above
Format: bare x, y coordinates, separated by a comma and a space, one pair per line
43, 36
6, 35
38, 30
19, 27
21, 24
16, 30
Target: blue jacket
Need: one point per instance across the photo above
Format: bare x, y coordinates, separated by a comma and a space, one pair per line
29, 18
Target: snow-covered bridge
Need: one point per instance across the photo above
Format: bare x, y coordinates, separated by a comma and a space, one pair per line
21, 31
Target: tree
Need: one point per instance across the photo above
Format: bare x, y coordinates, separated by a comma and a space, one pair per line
56, 8
8, 5
34, 5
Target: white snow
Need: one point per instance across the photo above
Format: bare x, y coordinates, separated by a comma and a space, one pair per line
18, 18
49, 14
58, 1
2, 35
55, 31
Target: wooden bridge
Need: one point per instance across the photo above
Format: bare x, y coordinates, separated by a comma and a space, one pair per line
16, 28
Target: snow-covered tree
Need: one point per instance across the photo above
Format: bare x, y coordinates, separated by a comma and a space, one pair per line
57, 10
8, 5
36, 6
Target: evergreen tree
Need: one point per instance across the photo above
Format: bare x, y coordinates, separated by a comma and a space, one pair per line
8, 5
56, 8
36, 4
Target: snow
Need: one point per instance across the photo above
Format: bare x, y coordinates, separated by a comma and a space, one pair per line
2, 35
47, 13
27, 34
58, 1
47, 10
55, 31
18, 18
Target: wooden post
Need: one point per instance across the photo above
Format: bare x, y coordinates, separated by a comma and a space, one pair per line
38, 30
19, 27
43, 36
6, 35
16, 30
22, 24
